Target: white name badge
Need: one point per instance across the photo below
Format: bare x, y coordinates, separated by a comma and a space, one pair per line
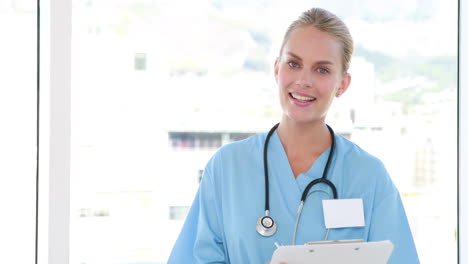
341, 213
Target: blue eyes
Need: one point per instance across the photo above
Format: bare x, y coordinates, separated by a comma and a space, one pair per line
293, 64
322, 70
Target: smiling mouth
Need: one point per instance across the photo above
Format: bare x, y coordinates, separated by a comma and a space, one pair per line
302, 98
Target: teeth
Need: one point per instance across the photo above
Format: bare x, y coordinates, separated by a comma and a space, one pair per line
302, 98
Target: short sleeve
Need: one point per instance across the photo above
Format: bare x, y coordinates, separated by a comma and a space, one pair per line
201, 238
182, 252
389, 222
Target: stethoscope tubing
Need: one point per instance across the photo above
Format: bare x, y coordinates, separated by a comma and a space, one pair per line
270, 230
265, 166
323, 179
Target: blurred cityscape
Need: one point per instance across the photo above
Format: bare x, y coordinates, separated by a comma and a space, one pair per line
159, 85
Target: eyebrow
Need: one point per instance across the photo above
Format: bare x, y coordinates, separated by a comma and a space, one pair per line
317, 62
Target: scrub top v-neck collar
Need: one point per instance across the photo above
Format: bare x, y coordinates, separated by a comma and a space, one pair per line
283, 175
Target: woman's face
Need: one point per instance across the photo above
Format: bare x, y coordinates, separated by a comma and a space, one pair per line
309, 74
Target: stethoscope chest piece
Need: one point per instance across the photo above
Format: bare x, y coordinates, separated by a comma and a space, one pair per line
266, 226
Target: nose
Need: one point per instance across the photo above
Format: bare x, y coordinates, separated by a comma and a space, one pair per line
304, 79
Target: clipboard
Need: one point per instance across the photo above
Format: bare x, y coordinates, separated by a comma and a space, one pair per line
334, 252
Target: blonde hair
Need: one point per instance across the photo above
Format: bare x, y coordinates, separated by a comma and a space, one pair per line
327, 22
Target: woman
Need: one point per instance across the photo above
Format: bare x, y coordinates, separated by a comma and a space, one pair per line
310, 71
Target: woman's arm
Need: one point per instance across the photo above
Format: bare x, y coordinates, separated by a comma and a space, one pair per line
389, 222
201, 239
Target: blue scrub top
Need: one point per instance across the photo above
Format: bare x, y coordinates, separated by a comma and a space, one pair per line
220, 227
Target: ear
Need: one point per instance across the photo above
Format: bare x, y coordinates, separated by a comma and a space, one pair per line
276, 69
343, 85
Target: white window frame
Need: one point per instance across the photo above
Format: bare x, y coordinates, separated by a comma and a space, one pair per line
463, 132
54, 132
54, 206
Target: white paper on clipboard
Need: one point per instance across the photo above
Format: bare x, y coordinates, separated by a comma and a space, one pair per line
335, 253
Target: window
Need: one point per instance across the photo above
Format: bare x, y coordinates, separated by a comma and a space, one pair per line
195, 141
121, 117
178, 212
140, 61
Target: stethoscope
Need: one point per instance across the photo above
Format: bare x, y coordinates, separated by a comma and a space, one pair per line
266, 226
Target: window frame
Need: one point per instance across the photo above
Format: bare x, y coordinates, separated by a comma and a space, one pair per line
462, 130
54, 132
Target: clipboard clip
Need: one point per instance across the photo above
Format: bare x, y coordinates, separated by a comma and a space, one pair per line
328, 242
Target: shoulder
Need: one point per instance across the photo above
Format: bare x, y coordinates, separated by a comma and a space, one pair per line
241, 148
232, 166
237, 153
355, 154
364, 167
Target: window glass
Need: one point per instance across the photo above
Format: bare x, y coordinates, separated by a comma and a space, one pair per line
158, 86
18, 50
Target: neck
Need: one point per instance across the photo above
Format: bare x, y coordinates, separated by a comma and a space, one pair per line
304, 138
